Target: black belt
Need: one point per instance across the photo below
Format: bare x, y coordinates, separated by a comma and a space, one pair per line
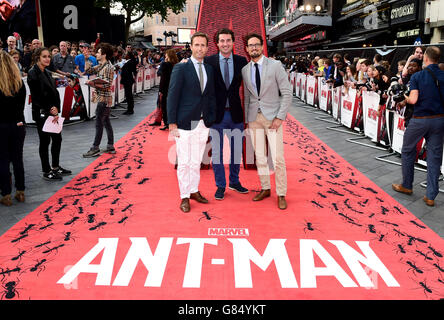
430, 117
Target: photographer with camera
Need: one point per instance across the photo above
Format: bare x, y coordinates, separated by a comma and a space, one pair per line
427, 96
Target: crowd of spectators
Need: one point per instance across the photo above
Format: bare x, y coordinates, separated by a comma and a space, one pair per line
364, 74
42, 66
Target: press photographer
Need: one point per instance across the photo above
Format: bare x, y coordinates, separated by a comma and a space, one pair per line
427, 96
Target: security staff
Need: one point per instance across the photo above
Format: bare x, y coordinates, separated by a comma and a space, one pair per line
427, 96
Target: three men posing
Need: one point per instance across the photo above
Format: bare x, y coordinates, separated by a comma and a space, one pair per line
204, 94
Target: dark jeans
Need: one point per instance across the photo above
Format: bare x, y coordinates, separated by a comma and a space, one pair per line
235, 135
102, 120
11, 144
129, 97
432, 130
56, 146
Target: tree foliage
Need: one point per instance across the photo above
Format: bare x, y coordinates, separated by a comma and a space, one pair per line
135, 10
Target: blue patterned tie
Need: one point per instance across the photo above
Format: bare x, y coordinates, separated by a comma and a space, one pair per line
227, 74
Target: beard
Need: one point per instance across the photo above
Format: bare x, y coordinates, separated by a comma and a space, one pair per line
255, 55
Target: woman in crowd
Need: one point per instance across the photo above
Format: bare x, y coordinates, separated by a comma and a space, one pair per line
12, 129
418, 54
415, 65
45, 103
350, 78
167, 68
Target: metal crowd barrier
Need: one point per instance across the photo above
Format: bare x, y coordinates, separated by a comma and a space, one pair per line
146, 79
357, 112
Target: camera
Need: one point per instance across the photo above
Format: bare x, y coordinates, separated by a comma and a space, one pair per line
397, 91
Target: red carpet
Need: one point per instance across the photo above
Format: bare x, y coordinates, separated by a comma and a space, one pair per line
341, 238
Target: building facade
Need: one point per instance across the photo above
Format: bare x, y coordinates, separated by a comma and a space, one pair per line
154, 27
338, 24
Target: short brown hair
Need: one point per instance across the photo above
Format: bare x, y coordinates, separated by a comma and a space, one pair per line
107, 50
434, 53
199, 34
224, 31
253, 35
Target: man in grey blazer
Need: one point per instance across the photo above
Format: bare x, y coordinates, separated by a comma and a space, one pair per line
265, 111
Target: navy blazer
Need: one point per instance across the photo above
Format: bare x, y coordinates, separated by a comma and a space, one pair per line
186, 102
232, 94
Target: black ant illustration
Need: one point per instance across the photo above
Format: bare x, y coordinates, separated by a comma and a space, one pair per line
39, 267
426, 257
123, 220
68, 236
435, 253
9, 271
144, 180
206, 215
440, 269
425, 287
101, 224
46, 227
91, 218
19, 256
10, 290
54, 249
29, 227
70, 222
417, 224
309, 226
19, 238
414, 268
400, 248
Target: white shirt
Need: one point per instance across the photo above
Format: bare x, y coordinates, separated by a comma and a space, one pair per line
196, 66
253, 70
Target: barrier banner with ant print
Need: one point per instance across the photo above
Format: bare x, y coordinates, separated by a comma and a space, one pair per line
370, 105
116, 231
336, 94
324, 95
311, 88
348, 107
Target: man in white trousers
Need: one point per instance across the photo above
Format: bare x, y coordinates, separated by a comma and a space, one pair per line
191, 107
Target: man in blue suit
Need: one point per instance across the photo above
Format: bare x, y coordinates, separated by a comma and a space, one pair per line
229, 113
191, 107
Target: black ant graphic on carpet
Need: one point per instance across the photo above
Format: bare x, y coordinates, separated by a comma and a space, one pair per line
310, 226
10, 290
206, 215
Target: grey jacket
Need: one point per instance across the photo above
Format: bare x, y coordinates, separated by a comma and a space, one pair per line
274, 79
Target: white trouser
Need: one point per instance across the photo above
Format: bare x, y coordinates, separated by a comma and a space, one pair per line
190, 148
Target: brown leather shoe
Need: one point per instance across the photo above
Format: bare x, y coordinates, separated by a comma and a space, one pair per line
401, 189
198, 197
20, 196
262, 195
282, 203
6, 200
430, 203
185, 205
